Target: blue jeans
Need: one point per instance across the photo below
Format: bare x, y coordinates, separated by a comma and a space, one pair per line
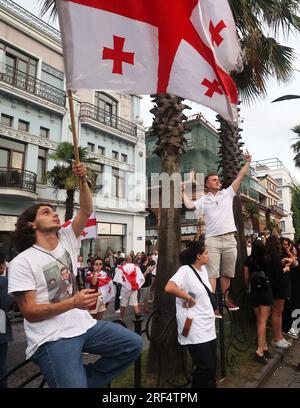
61, 361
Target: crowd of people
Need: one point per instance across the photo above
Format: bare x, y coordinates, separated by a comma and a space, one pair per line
272, 276
54, 287
126, 279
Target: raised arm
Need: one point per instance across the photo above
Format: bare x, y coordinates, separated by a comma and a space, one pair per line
244, 170
85, 199
189, 204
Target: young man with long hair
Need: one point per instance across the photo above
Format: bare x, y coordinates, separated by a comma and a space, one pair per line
58, 332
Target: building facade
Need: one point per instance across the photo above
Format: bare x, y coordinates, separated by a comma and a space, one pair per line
261, 206
285, 181
34, 119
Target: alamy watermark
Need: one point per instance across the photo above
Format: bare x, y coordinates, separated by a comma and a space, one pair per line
134, 191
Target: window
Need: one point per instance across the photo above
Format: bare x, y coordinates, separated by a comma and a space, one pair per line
18, 60
97, 175
124, 158
41, 170
7, 120
23, 125
118, 183
101, 150
44, 132
11, 154
108, 108
280, 193
115, 155
91, 147
279, 181
282, 226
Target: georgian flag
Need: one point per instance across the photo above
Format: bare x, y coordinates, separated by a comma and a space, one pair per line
105, 285
183, 47
130, 276
90, 229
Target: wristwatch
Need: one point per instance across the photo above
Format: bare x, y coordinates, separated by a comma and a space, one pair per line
85, 179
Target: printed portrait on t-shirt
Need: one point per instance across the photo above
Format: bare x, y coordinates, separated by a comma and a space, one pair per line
61, 283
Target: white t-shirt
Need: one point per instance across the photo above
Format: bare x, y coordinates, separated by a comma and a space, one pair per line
218, 212
39, 271
203, 326
155, 259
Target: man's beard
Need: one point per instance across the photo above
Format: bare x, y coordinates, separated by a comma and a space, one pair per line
43, 229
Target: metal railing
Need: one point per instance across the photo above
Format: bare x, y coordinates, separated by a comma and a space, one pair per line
32, 85
89, 111
18, 178
30, 18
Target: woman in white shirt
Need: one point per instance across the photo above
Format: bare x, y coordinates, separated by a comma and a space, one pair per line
193, 302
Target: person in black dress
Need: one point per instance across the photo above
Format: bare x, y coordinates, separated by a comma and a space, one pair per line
260, 298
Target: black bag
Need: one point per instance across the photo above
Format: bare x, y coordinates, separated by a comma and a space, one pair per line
259, 280
212, 297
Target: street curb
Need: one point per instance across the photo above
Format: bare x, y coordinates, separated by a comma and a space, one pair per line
272, 365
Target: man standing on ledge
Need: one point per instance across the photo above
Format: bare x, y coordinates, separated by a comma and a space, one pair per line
220, 240
59, 330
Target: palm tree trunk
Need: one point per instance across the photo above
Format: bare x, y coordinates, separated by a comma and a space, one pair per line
164, 349
69, 204
230, 154
164, 359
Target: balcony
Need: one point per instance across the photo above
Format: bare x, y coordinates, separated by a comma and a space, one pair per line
32, 85
18, 182
89, 111
279, 210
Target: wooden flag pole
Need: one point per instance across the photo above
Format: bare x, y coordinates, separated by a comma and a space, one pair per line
73, 126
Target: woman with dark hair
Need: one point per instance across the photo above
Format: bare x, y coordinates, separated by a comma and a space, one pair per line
260, 298
190, 285
277, 269
98, 280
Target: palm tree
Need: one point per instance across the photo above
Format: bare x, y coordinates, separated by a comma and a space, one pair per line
61, 176
169, 127
264, 58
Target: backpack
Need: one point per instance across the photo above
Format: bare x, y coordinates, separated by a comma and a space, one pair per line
259, 280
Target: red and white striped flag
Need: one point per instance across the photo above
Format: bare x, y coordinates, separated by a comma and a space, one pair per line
183, 47
90, 229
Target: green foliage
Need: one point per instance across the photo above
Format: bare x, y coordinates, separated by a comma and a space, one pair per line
296, 146
296, 211
252, 210
61, 177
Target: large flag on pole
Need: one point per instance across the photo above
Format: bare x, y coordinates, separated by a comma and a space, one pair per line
183, 47
90, 229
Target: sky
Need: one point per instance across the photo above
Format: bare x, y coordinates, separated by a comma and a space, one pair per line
266, 126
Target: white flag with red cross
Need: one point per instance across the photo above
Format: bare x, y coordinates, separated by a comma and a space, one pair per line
90, 229
184, 47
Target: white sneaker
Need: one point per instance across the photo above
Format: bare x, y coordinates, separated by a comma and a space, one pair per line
293, 333
118, 311
281, 344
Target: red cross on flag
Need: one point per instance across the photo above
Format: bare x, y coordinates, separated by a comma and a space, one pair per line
183, 47
90, 229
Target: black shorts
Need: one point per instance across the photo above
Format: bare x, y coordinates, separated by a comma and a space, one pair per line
261, 297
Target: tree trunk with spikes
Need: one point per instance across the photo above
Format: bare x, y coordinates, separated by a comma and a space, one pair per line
231, 154
69, 204
164, 354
